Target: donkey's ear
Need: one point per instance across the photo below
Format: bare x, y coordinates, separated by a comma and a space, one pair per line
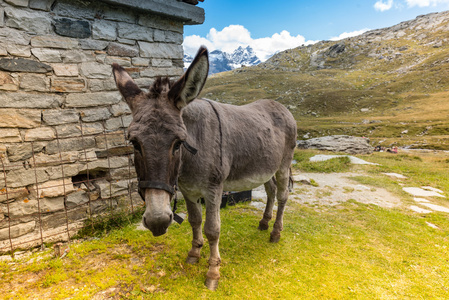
126, 85
189, 86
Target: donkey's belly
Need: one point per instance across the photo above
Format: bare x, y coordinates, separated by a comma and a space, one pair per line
247, 183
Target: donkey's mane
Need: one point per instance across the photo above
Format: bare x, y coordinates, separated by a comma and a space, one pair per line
159, 85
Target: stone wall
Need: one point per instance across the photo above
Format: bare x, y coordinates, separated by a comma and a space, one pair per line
62, 122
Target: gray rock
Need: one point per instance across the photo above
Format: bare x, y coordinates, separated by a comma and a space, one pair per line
338, 143
77, 198
10, 135
92, 99
135, 32
34, 82
104, 30
116, 49
41, 4
23, 65
39, 134
155, 50
72, 28
19, 50
29, 100
66, 145
96, 70
60, 116
36, 22
57, 42
24, 151
17, 230
47, 55
95, 114
89, 44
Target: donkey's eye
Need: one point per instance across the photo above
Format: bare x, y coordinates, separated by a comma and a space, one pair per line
176, 146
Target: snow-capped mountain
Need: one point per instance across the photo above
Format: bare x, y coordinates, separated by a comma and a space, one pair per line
221, 61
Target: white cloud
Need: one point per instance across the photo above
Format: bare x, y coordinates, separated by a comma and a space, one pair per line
345, 35
383, 6
425, 3
233, 36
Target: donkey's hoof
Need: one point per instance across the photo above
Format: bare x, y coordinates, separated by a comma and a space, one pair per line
274, 238
211, 284
263, 226
192, 260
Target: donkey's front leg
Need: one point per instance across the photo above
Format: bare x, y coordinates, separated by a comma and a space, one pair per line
195, 220
212, 231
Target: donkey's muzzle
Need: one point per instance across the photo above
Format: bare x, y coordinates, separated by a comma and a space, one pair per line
158, 226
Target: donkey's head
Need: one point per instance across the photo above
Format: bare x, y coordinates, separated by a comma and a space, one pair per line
157, 133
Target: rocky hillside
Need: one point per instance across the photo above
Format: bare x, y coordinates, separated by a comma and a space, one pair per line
390, 84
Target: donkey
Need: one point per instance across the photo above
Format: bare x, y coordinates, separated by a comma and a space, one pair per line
204, 147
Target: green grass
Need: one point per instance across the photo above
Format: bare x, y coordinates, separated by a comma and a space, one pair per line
349, 251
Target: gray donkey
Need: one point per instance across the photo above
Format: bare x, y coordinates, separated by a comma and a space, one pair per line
224, 147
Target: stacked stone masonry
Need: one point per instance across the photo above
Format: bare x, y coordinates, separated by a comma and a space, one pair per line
64, 155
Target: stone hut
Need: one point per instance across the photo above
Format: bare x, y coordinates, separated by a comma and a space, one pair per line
64, 157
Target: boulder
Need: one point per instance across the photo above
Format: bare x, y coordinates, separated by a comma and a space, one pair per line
338, 143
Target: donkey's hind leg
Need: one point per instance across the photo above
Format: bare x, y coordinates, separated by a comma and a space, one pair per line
282, 180
270, 188
195, 220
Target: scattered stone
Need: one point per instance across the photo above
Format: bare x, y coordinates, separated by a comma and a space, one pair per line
353, 159
429, 188
420, 200
432, 225
258, 205
338, 143
436, 207
302, 179
419, 192
395, 175
419, 209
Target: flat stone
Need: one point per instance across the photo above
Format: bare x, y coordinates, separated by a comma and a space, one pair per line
76, 57
17, 230
161, 63
122, 61
77, 198
395, 175
19, 50
10, 135
104, 30
120, 108
338, 143
13, 194
160, 22
54, 42
7, 82
34, 82
41, 4
436, 207
156, 72
65, 70
20, 118
20, 177
93, 99
29, 100
39, 134
60, 116
22, 3
158, 50
89, 44
429, 188
3, 51
47, 55
72, 28
95, 114
11, 34
111, 140
421, 200
135, 32
66, 85
23, 65
48, 205
66, 145
419, 209
112, 189
30, 21
23, 151
301, 178
140, 62
96, 70
23, 208
353, 159
54, 188
419, 192
116, 49
115, 123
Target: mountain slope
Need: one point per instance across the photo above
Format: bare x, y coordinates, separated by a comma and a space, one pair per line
379, 84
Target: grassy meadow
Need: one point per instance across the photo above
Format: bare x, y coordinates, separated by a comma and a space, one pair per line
348, 251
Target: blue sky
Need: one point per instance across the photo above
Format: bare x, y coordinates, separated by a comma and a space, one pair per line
270, 26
